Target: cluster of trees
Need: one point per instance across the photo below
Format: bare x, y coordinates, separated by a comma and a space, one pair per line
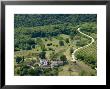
25, 70
33, 20
29, 67
24, 42
83, 42
26, 38
89, 28
29, 26
42, 55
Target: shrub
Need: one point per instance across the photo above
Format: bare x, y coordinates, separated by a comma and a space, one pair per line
33, 46
28, 47
71, 50
16, 49
67, 40
61, 43
18, 59
31, 71
63, 58
49, 44
51, 49
42, 54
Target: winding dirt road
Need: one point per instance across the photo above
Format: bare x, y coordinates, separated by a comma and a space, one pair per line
92, 40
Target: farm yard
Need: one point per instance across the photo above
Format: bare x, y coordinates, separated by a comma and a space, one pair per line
44, 47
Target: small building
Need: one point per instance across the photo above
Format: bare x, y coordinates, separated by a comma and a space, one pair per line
43, 62
56, 63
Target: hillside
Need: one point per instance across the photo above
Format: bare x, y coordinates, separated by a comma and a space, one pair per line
44, 43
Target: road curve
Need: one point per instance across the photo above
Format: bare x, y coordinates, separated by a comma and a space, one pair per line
92, 40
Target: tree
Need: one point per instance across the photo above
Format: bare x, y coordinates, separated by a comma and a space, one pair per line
67, 40
63, 58
24, 69
32, 20
28, 47
71, 37
71, 50
49, 44
38, 71
42, 55
16, 49
30, 41
31, 71
53, 56
17, 71
43, 47
18, 59
50, 72
24, 72
54, 72
33, 46
23, 59
61, 43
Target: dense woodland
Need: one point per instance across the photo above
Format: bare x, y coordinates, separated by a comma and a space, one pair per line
36, 34
33, 20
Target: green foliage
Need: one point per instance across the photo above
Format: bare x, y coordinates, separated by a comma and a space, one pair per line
51, 49
63, 58
16, 49
23, 42
42, 55
38, 71
67, 40
30, 41
24, 72
32, 20
82, 73
50, 72
71, 50
23, 69
17, 70
72, 34
43, 47
49, 44
18, 59
47, 27
28, 47
61, 43
89, 27
31, 71
33, 31
33, 46
53, 56
88, 55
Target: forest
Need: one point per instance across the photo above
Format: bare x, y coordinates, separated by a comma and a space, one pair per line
44, 43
